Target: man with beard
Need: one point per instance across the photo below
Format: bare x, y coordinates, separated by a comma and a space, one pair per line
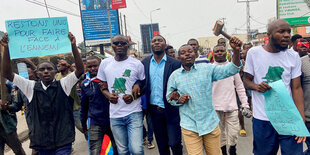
190, 88
274, 58
118, 75
165, 118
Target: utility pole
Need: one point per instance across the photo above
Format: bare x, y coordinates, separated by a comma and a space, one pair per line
248, 25
121, 23
109, 17
152, 21
139, 53
125, 25
47, 9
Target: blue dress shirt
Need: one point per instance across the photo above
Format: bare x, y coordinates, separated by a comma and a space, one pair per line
156, 81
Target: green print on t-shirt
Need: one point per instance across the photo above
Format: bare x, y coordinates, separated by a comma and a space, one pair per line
127, 73
274, 74
119, 83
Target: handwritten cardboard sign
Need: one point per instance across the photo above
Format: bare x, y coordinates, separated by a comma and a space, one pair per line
38, 37
282, 112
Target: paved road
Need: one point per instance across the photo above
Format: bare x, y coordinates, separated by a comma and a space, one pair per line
80, 146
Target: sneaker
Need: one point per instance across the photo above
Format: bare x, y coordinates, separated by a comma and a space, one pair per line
242, 133
150, 145
145, 142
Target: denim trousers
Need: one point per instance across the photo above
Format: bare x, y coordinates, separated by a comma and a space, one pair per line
307, 152
96, 134
266, 140
77, 121
128, 133
149, 132
65, 150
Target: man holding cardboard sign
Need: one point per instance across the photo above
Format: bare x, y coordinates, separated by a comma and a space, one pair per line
38, 37
264, 66
50, 120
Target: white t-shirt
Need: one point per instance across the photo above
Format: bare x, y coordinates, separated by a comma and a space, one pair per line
270, 67
121, 76
27, 86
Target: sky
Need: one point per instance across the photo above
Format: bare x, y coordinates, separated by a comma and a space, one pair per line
179, 20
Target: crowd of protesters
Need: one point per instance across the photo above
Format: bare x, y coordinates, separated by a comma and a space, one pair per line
183, 94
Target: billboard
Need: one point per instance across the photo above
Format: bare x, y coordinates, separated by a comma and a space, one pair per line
118, 4
95, 22
146, 36
296, 12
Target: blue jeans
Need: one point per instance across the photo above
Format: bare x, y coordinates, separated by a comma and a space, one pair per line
149, 132
128, 133
77, 121
307, 152
96, 134
266, 140
65, 150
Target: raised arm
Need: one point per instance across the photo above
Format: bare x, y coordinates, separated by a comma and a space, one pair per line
28, 62
224, 71
235, 44
6, 63
77, 58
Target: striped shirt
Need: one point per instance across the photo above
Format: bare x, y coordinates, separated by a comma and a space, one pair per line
198, 114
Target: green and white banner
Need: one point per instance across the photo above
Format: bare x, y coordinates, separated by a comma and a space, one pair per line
296, 12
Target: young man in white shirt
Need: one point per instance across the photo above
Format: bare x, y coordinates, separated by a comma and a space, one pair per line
50, 120
270, 63
118, 75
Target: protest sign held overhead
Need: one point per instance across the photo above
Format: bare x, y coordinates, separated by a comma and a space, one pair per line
38, 37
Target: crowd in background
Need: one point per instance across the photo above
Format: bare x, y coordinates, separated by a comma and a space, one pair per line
199, 97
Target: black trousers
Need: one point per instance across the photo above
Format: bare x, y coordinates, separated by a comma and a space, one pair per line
168, 135
11, 140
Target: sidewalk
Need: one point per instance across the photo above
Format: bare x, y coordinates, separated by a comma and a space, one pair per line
22, 129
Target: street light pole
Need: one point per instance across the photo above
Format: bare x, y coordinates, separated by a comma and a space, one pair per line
152, 21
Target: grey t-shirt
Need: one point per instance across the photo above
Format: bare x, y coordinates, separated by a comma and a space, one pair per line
305, 69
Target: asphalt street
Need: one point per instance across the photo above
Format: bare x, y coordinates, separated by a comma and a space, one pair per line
80, 146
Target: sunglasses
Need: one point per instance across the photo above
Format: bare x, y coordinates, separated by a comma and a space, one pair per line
120, 42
